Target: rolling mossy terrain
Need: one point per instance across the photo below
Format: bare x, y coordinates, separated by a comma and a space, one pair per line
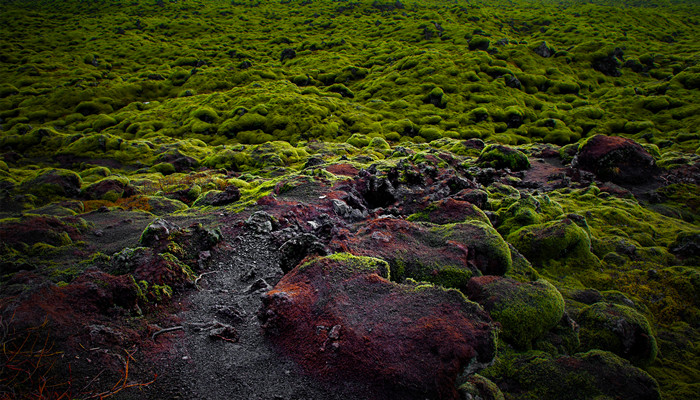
538, 158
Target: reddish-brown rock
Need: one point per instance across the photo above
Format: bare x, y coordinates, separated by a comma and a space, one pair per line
340, 317
615, 159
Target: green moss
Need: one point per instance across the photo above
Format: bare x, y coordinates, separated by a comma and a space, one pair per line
497, 156
350, 264
619, 329
528, 210
526, 311
103, 121
558, 244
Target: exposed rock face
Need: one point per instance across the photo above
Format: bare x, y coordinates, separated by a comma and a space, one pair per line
616, 159
544, 50
340, 316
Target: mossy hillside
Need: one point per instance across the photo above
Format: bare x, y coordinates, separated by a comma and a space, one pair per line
378, 75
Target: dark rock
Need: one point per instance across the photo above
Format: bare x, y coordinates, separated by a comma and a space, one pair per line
397, 5
686, 245
234, 314
296, 249
608, 64
288, 54
224, 332
157, 231
615, 159
587, 296
313, 162
379, 192
339, 317
619, 329
544, 50
219, 198
512, 81
245, 65
261, 222
259, 286
502, 42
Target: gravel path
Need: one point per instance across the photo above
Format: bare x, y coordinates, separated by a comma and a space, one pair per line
205, 366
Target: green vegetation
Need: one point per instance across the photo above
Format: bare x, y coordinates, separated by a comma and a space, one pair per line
157, 107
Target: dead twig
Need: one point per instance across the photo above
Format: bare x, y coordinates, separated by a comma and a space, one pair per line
166, 330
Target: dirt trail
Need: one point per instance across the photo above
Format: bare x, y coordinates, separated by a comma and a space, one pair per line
204, 367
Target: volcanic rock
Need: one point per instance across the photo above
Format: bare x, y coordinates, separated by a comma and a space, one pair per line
616, 159
448, 255
340, 316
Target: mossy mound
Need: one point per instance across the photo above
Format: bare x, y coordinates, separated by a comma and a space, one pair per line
558, 244
619, 329
525, 310
450, 211
595, 374
51, 184
497, 156
528, 210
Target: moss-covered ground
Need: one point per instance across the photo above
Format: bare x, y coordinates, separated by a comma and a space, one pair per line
145, 108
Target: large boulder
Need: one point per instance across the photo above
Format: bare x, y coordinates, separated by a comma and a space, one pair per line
615, 159
560, 244
50, 184
448, 255
619, 329
340, 317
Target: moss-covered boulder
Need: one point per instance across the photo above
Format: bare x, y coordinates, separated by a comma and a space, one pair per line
561, 243
219, 197
478, 387
525, 310
450, 211
619, 329
340, 317
616, 159
21, 233
593, 375
448, 255
499, 156
528, 210
49, 184
111, 189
